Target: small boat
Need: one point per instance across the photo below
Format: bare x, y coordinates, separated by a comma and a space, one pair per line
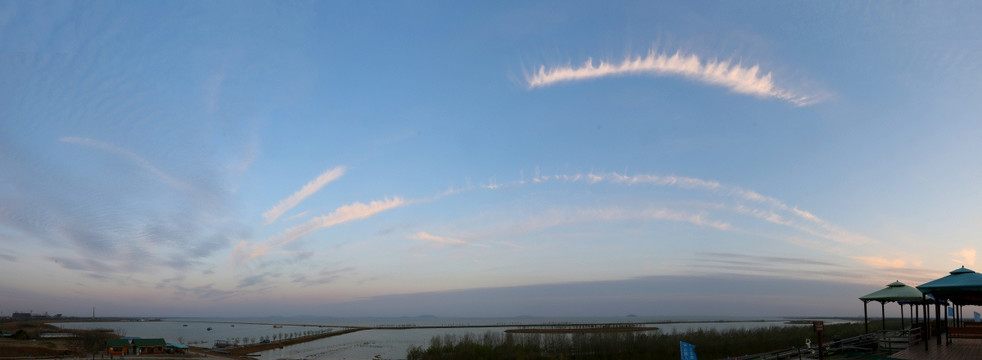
185, 325
277, 326
209, 329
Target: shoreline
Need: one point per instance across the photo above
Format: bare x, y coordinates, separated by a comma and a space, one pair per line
581, 331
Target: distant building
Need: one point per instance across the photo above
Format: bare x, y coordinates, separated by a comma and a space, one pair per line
149, 346
21, 316
117, 346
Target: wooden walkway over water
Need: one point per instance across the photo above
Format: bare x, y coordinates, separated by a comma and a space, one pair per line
959, 349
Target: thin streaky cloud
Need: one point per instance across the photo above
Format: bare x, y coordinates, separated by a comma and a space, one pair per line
734, 76
826, 230
882, 263
747, 258
129, 155
346, 213
559, 218
297, 216
424, 236
805, 214
680, 216
750, 202
307, 190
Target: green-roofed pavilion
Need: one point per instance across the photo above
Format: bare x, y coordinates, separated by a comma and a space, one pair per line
894, 292
960, 287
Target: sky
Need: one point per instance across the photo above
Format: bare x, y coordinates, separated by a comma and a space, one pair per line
508, 158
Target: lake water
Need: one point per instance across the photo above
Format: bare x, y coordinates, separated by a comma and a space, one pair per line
388, 343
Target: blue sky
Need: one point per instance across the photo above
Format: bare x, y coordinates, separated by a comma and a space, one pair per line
336, 158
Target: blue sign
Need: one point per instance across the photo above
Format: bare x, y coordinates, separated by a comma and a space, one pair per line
977, 318
951, 311
688, 350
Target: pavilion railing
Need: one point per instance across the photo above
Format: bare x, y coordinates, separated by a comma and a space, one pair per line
895, 340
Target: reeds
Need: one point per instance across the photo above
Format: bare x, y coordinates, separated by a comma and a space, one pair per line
710, 344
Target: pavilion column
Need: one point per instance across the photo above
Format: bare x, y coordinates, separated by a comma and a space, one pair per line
866, 315
947, 339
901, 315
925, 330
916, 310
883, 315
937, 319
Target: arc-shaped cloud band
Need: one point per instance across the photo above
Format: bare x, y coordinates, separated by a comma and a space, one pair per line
736, 77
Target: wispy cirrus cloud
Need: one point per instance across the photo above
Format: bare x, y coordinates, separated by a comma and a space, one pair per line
751, 203
259, 279
92, 265
424, 236
880, 262
206, 292
734, 76
747, 259
343, 214
307, 190
800, 267
559, 218
325, 276
131, 156
821, 234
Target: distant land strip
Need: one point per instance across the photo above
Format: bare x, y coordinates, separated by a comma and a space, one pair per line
487, 325
587, 330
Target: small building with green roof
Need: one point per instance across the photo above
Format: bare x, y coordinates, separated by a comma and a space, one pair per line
149, 346
117, 346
